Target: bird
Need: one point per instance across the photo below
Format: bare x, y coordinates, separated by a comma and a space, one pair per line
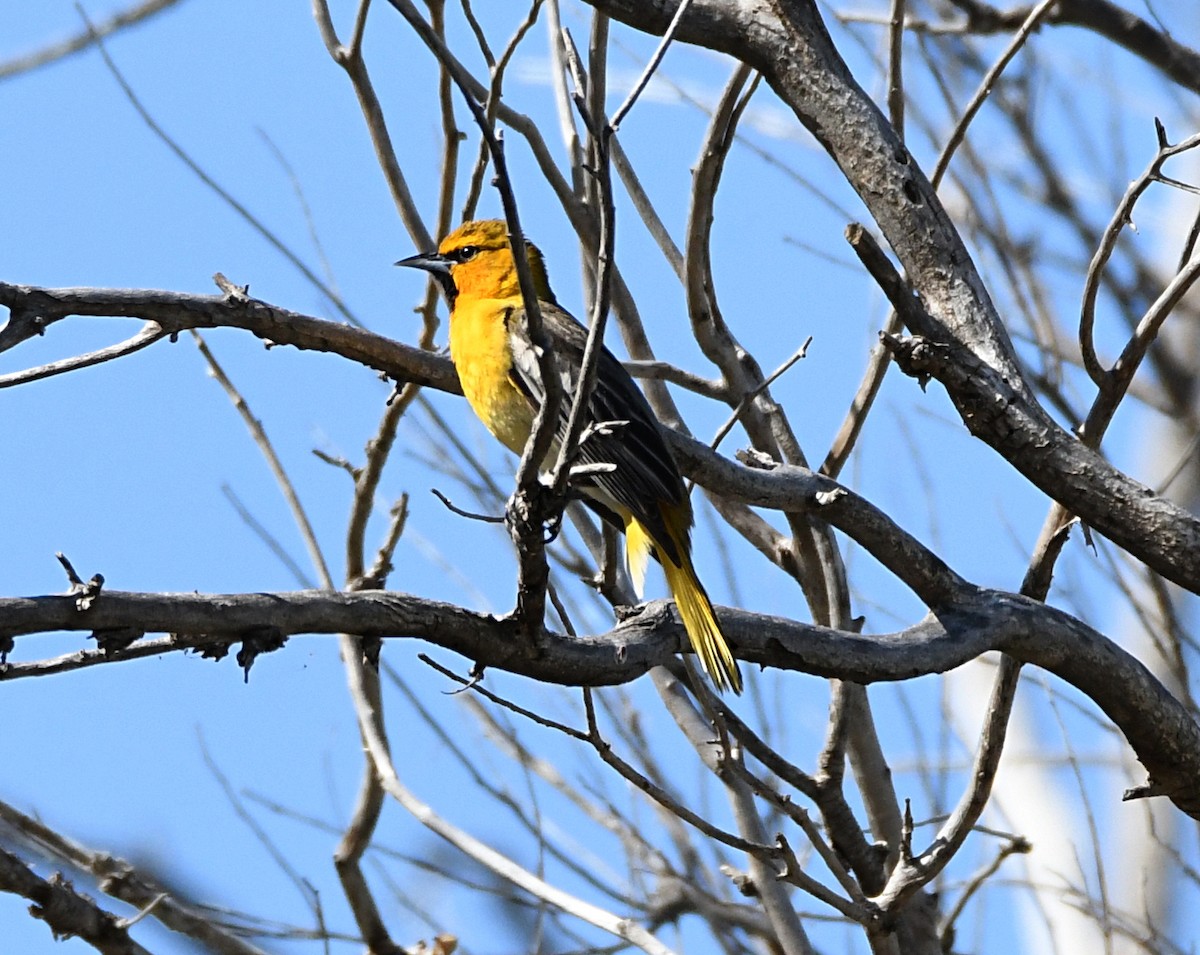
643, 493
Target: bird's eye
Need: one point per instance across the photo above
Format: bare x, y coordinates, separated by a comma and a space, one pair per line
465, 254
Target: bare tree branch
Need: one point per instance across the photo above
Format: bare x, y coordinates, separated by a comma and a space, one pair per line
81, 41
117, 878
34, 310
1160, 730
67, 913
1124, 27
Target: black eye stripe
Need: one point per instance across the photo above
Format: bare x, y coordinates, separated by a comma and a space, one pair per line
464, 254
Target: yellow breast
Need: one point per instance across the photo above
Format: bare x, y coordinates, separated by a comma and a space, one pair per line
481, 352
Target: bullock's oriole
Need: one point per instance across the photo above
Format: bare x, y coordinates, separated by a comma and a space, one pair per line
644, 496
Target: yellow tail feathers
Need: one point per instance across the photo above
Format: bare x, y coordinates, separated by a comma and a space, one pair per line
693, 603
637, 554
701, 624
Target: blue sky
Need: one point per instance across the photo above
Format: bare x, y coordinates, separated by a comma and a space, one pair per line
122, 467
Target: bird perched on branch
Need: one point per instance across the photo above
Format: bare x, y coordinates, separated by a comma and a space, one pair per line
643, 495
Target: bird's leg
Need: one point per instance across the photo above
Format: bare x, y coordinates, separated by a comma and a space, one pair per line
551, 507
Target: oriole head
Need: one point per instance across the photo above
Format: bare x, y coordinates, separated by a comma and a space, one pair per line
476, 259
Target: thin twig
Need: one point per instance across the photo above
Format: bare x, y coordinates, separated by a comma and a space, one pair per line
485, 855
81, 41
1121, 217
150, 333
227, 197
577, 419
659, 52
750, 396
912, 873
985, 88
302, 885
497, 69
605, 751
270, 540
470, 515
895, 67
1015, 846
259, 434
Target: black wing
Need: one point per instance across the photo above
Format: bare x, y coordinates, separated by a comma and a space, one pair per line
646, 476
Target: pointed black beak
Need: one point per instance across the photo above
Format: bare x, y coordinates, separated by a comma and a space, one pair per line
429, 261
436, 265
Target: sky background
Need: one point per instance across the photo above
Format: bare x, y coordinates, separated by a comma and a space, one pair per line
126, 467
